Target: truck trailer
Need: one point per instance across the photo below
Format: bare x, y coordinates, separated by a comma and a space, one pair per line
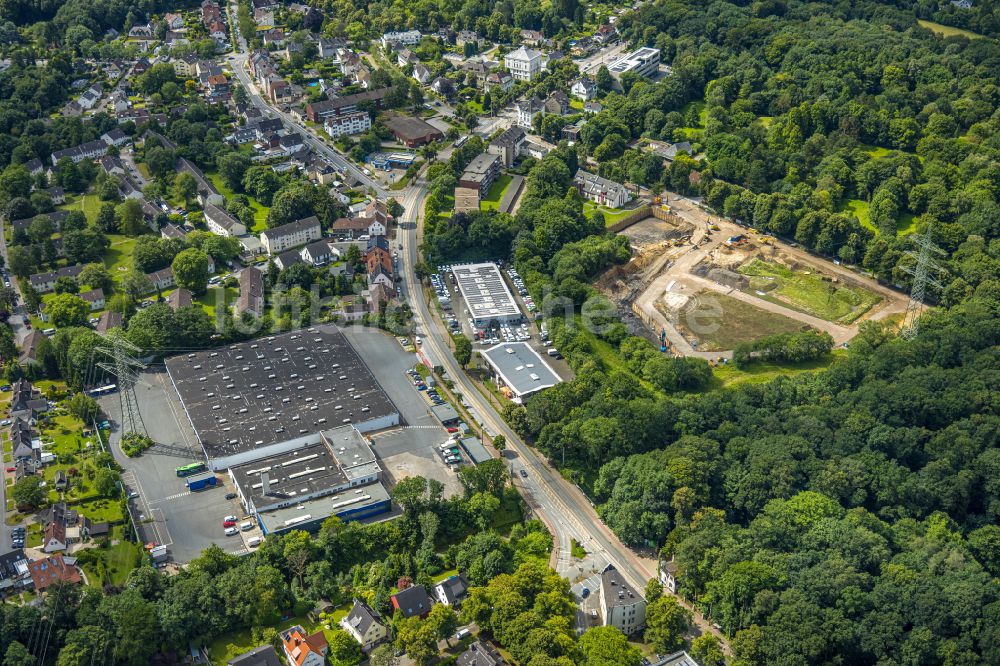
201, 481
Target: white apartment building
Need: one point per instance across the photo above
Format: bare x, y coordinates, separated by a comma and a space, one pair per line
350, 123
621, 606
523, 64
290, 235
644, 62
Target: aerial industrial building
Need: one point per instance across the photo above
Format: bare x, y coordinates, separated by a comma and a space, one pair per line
486, 294
518, 369
273, 395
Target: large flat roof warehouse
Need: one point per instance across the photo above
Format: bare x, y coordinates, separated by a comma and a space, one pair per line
352, 504
343, 459
485, 292
267, 396
518, 367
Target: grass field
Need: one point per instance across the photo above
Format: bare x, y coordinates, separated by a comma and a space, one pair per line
259, 210
692, 133
740, 322
90, 204
497, 189
209, 301
728, 375
611, 215
948, 31
808, 291
118, 258
113, 563
905, 223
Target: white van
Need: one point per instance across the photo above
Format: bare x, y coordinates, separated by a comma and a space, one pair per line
462, 633
49, 332
253, 542
247, 526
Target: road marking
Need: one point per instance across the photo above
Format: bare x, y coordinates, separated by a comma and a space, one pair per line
168, 498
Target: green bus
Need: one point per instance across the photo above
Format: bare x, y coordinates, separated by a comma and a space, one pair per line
188, 470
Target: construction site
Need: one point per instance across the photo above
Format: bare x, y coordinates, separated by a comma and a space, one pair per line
701, 285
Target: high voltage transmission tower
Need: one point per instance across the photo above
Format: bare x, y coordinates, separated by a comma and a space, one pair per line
124, 365
922, 276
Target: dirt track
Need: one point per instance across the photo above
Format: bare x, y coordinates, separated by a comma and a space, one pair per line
671, 273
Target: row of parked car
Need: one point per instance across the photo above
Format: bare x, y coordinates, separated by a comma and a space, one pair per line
529, 302
17, 537
418, 382
441, 290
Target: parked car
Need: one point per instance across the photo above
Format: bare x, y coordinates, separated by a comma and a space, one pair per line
452, 429
232, 518
524, 474
228, 523
231, 531
230, 496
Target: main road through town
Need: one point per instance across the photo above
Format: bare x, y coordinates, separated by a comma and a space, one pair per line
559, 503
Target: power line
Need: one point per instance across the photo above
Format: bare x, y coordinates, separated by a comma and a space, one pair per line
922, 276
125, 366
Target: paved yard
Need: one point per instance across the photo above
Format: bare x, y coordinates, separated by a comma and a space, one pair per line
186, 522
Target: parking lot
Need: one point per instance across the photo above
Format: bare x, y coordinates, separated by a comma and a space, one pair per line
412, 448
166, 512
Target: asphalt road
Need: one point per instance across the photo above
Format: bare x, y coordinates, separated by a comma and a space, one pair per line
310, 139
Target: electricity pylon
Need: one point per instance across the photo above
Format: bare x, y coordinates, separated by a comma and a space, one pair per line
922, 276
124, 365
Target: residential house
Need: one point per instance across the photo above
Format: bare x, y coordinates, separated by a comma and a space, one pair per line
464, 37
23, 441
668, 576
557, 103
34, 166
43, 283
58, 513
621, 606
526, 110
293, 234
303, 650
57, 194
287, 259
29, 347
405, 38
115, 137
364, 625
412, 132
412, 602
51, 570
161, 279
452, 590
317, 253
508, 145
584, 88
274, 37
533, 38
94, 298
180, 298
601, 191
405, 57
222, 223
592, 107
480, 654
523, 63
171, 230
108, 320
251, 298
605, 34
173, 38
141, 33
54, 537
264, 18
264, 655
443, 86
421, 74
85, 151
174, 21
501, 79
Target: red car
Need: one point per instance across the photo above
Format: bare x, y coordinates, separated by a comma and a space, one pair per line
11, 469
452, 429
229, 523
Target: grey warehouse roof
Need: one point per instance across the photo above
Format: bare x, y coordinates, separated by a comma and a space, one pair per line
318, 510
485, 292
275, 389
521, 368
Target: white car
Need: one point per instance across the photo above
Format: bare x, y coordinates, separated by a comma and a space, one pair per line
230, 518
418, 340
232, 531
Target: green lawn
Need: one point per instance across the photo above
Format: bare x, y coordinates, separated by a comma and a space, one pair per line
228, 646
210, 300
611, 215
728, 375
740, 322
259, 210
808, 291
113, 563
576, 104
101, 510
497, 189
90, 204
947, 30
905, 223
118, 258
